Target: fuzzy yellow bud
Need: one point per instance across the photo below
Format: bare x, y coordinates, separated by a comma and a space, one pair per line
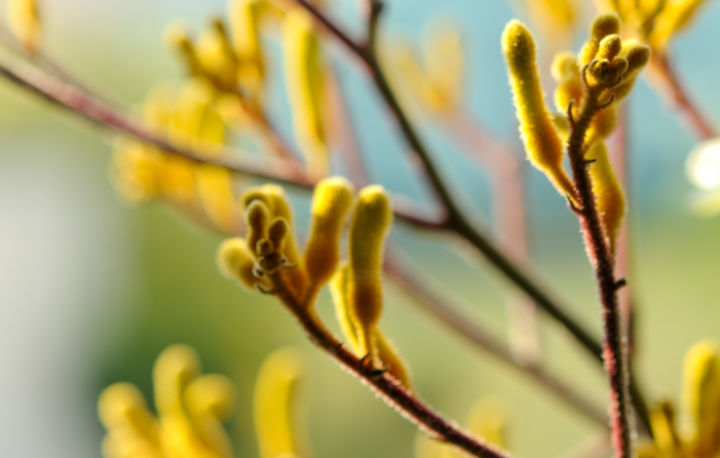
637, 56
237, 262
340, 291
176, 366
601, 27
391, 359
702, 396
371, 220
216, 56
121, 405
273, 403
569, 84
305, 81
178, 40
662, 421
332, 200
24, 22
488, 419
542, 141
609, 196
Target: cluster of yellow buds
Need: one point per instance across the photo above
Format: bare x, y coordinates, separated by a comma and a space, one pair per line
268, 259
24, 20
593, 82
701, 402
233, 60
486, 419
655, 22
143, 172
190, 410
433, 78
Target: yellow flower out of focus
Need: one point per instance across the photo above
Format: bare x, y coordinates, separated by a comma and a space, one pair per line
486, 419
700, 438
190, 410
24, 21
703, 171
143, 172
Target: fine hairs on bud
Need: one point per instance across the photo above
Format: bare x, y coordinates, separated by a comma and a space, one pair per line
701, 386
370, 224
332, 200
542, 141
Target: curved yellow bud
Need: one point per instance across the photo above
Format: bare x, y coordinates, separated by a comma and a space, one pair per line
210, 399
569, 88
609, 196
24, 21
216, 56
542, 141
445, 66
177, 38
176, 366
273, 404
258, 219
662, 421
305, 82
122, 406
637, 56
236, 262
701, 384
370, 224
602, 26
391, 359
245, 30
332, 200
340, 292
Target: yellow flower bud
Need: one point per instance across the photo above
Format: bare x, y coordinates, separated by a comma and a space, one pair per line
178, 40
601, 27
569, 84
176, 366
332, 200
274, 400
702, 396
609, 196
216, 56
258, 219
236, 262
209, 400
667, 439
340, 291
121, 405
488, 419
25, 24
371, 220
637, 56
305, 81
391, 360
542, 141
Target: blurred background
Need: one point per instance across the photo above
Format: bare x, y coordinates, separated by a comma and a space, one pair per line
92, 289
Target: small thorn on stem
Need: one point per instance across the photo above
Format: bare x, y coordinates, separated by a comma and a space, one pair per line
620, 283
375, 373
569, 114
589, 161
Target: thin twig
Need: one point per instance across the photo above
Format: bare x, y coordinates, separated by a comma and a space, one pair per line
507, 183
601, 258
86, 106
386, 386
410, 280
662, 73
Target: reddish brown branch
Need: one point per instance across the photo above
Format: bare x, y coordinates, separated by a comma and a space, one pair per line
662, 73
603, 264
